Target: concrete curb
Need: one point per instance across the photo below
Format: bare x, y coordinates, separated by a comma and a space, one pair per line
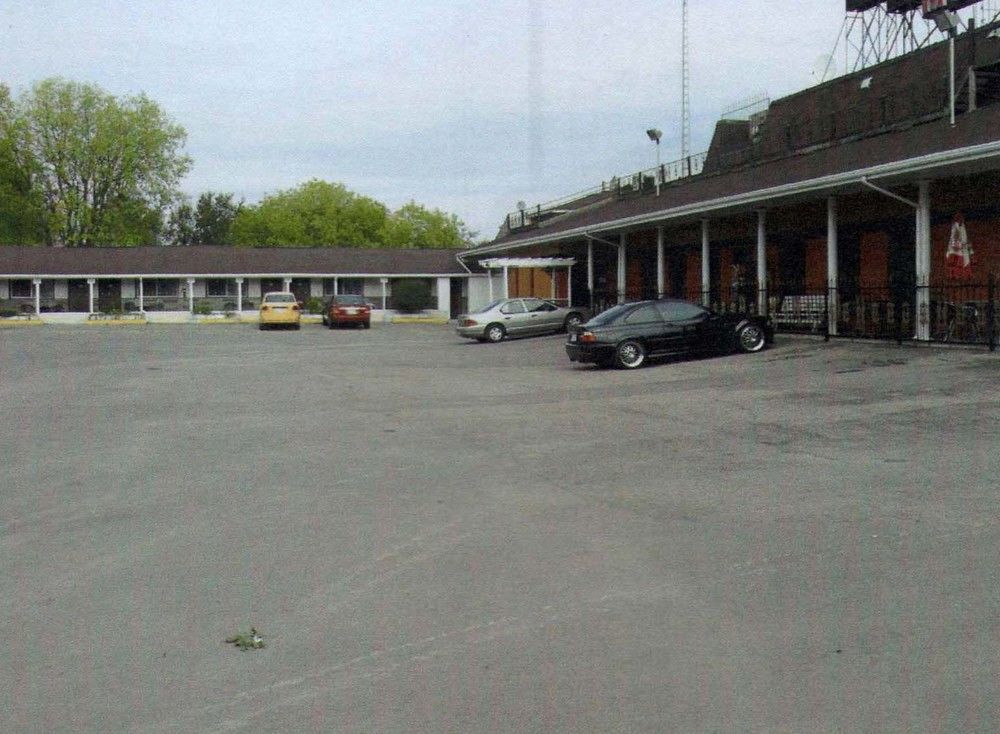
16, 322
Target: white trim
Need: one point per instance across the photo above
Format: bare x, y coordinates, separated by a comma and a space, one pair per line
750, 198
526, 262
203, 276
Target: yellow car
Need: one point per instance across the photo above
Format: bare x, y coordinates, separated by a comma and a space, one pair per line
280, 309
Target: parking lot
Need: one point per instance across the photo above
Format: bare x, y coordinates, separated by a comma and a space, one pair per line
437, 535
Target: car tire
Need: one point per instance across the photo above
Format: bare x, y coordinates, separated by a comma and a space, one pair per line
366, 324
573, 319
495, 333
261, 327
330, 324
630, 354
750, 338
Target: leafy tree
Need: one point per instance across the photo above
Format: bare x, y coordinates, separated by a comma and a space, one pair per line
213, 218
208, 223
102, 166
22, 220
314, 214
413, 225
180, 225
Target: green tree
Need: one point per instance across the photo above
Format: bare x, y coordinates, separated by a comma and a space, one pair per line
213, 218
413, 225
180, 224
314, 214
22, 217
209, 222
103, 167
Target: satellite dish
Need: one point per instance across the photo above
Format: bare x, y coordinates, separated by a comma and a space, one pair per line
823, 68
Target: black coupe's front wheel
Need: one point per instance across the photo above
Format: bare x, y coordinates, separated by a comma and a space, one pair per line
630, 354
750, 338
574, 319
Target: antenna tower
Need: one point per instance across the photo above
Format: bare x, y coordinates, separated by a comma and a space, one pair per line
878, 30
685, 85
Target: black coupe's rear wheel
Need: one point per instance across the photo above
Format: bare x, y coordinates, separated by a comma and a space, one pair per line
630, 354
750, 338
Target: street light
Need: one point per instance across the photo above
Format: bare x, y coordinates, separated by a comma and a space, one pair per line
655, 136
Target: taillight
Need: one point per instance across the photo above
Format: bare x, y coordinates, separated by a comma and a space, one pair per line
468, 322
588, 337
295, 307
264, 308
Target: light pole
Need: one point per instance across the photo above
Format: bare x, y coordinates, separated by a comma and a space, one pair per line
947, 22
655, 136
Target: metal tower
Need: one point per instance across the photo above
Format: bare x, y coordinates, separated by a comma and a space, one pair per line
685, 86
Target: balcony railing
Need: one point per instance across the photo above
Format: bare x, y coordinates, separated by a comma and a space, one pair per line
620, 186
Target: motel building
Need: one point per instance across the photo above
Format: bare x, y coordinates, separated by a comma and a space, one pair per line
865, 206
63, 285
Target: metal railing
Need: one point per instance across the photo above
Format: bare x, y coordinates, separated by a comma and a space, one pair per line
640, 182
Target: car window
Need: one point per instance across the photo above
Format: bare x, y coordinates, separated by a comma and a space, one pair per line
643, 315
489, 307
610, 316
512, 307
680, 310
279, 298
536, 305
350, 300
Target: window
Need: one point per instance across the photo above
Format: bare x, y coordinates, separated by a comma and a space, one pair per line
160, 287
680, 311
512, 307
328, 286
220, 287
352, 286
21, 289
643, 315
537, 305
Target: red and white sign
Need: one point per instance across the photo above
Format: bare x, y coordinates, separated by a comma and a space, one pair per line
958, 258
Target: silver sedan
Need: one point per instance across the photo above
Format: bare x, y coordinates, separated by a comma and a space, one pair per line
518, 317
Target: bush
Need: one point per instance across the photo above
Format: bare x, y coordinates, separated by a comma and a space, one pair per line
315, 305
202, 308
6, 313
411, 296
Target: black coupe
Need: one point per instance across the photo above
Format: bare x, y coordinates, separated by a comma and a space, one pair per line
629, 334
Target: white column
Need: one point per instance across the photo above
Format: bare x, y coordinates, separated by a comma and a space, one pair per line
620, 275
506, 283
385, 283
37, 288
659, 261
288, 284
706, 269
761, 262
832, 272
489, 282
190, 282
142, 295
336, 285
590, 271
239, 295
90, 288
923, 254
444, 295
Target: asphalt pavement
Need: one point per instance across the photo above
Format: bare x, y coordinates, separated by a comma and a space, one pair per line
435, 535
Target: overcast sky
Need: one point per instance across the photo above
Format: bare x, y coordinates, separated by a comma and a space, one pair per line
458, 105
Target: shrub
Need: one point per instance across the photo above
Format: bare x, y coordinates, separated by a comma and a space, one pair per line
315, 305
6, 313
411, 296
202, 308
